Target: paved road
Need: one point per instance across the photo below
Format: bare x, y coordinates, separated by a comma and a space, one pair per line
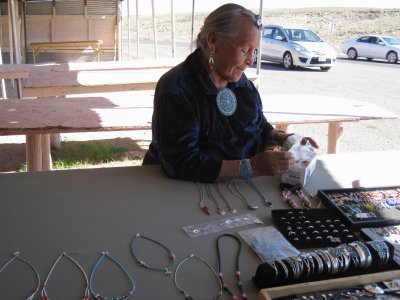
376, 82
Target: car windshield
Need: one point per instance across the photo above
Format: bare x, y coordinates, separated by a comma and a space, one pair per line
302, 35
391, 41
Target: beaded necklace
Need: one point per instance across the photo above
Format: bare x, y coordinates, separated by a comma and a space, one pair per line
238, 194
237, 273
64, 254
186, 294
168, 269
16, 255
101, 297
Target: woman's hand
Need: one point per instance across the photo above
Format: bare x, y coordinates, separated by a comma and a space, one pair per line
310, 140
271, 163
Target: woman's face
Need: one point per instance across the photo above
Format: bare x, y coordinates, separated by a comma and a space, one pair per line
233, 56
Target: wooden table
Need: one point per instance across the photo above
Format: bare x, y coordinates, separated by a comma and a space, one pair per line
286, 110
95, 45
84, 212
133, 111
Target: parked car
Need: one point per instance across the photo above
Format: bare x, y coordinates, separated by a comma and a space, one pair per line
296, 46
373, 46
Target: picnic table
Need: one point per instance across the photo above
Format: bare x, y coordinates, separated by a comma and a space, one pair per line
93, 45
37, 118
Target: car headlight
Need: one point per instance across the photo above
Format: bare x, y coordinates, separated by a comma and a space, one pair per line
299, 48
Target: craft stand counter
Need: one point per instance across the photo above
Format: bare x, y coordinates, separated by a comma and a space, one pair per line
85, 212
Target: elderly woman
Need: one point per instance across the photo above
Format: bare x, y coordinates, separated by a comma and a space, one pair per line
208, 123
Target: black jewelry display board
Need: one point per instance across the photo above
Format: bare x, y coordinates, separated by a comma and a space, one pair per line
365, 207
312, 228
386, 233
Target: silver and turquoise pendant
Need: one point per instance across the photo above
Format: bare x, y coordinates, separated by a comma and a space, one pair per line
226, 102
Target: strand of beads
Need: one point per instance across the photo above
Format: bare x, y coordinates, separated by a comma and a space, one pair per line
237, 272
16, 255
86, 293
98, 296
167, 270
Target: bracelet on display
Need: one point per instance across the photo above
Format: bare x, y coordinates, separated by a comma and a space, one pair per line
381, 251
325, 262
245, 169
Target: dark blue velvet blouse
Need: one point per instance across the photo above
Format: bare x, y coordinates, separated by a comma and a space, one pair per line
190, 137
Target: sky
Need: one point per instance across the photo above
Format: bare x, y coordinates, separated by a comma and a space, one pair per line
185, 6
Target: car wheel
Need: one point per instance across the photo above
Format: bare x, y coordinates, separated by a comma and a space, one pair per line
391, 57
288, 61
325, 68
352, 53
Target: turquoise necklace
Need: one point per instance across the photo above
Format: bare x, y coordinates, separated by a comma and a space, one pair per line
98, 296
167, 270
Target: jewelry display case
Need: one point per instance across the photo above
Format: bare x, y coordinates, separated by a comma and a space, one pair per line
312, 228
365, 207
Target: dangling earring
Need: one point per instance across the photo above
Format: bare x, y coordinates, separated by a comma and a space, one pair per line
211, 61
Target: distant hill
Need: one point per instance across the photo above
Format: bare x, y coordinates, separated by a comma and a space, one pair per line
334, 25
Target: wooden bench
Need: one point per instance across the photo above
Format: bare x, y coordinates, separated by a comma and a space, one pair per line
96, 46
132, 111
81, 78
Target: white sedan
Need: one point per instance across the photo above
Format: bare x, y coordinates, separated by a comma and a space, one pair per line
296, 46
373, 47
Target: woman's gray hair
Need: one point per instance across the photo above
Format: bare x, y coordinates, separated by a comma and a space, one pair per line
224, 22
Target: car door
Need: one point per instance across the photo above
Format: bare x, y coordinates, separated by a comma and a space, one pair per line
378, 48
278, 45
266, 43
363, 46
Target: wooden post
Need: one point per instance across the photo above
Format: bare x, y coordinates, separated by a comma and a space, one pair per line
34, 152
15, 44
46, 152
154, 30
335, 131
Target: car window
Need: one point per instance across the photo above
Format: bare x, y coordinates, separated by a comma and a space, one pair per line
267, 33
364, 39
278, 32
373, 40
302, 35
391, 41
